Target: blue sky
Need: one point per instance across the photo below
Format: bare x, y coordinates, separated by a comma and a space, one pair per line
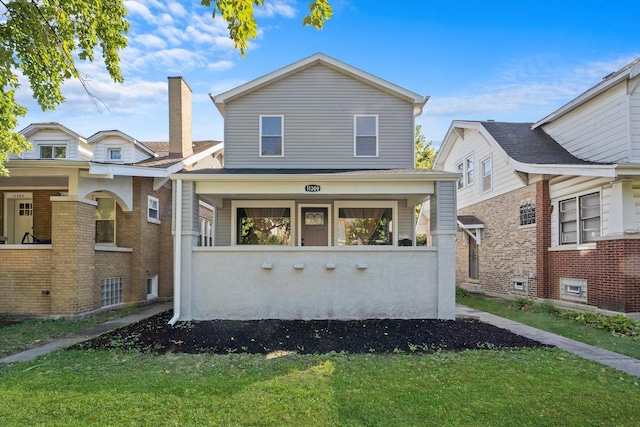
506, 60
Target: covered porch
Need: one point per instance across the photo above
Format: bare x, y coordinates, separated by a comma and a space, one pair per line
309, 244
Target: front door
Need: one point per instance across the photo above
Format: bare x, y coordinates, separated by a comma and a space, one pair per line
314, 226
22, 219
473, 259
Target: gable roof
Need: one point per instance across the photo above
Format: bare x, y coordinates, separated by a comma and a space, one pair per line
35, 127
527, 145
107, 133
629, 71
320, 59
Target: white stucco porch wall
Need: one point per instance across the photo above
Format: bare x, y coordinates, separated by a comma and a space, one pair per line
236, 283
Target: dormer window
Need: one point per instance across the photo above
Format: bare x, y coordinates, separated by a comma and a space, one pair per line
53, 151
114, 154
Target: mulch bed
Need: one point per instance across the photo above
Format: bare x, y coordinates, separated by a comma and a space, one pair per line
307, 337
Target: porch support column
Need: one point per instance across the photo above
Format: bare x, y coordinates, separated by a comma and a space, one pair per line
187, 238
73, 284
622, 213
443, 232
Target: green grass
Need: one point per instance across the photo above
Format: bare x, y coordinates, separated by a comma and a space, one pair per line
629, 346
34, 332
508, 388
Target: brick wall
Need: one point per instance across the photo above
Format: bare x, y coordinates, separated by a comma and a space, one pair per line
507, 250
24, 274
72, 257
612, 272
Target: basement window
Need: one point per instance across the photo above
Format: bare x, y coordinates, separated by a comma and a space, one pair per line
519, 285
111, 291
573, 289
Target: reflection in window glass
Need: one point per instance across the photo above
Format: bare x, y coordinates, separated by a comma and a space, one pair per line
264, 226
271, 136
105, 220
365, 226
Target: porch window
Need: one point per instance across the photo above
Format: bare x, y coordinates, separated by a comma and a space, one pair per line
365, 226
271, 136
53, 151
263, 226
366, 136
579, 219
106, 220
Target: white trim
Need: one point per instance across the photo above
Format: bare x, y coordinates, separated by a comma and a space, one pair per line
154, 286
314, 205
355, 135
235, 204
575, 196
260, 135
393, 204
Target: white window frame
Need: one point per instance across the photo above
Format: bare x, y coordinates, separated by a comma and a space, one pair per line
356, 135
236, 204
484, 187
150, 208
111, 150
53, 148
577, 198
393, 204
462, 167
281, 117
153, 280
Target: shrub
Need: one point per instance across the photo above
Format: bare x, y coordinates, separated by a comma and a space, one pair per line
462, 292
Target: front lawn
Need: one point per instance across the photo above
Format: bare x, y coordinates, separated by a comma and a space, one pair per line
549, 320
531, 387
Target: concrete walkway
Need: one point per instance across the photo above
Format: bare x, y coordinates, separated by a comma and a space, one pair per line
86, 334
617, 361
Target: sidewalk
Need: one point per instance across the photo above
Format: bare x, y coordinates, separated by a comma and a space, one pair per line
86, 334
615, 360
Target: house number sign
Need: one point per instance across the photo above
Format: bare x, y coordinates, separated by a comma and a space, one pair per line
312, 188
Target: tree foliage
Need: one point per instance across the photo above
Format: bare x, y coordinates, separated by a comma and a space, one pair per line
425, 153
42, 39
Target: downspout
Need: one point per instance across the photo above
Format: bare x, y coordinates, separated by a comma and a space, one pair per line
177, 257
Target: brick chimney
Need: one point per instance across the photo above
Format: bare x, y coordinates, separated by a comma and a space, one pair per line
180, 139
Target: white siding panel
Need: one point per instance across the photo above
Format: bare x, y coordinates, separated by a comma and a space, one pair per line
318, 105
596, 131
52, 137
504, 179
634, 126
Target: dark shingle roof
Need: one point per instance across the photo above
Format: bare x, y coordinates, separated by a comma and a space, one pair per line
162, 151
533, 146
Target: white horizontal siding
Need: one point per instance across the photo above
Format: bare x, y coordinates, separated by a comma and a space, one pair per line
634, 125
318, 105
503, 177
52, 137
597, 130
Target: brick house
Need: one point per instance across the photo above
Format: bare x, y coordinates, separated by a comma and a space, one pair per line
315, 205
86, 222
551, 209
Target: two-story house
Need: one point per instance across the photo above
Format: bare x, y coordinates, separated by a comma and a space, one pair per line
551, 209
315, 205
86, 222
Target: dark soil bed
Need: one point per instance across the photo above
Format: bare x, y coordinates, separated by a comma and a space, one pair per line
312, 337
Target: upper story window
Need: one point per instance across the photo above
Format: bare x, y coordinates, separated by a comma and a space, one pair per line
105, 220
114, 154
365, 136
271, 136
153, 209
487, 172
579, 219
465, 169
53, 151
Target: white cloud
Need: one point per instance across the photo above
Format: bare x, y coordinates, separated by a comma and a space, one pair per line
176, 9
150, 41
221, 65
276, 7
140, 9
